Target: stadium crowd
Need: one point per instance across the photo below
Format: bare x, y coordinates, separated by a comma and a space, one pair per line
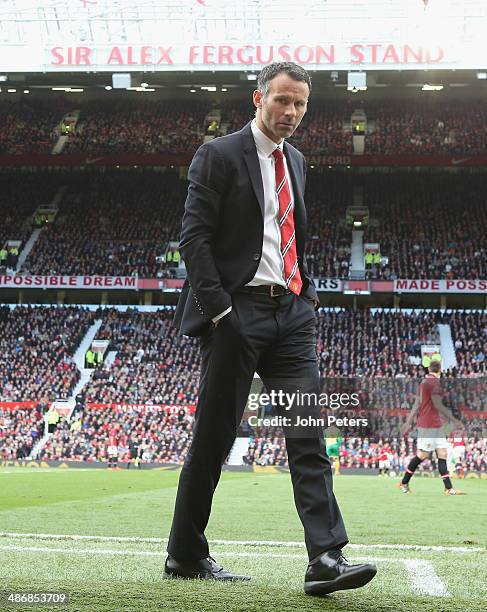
37, 347
20, 194
112, 126
431, 227
20, 429
148, 364
365, 453
145, 433
426, 127
138, 127
120, 223
36, 364
153, 364
30, 127
116, 224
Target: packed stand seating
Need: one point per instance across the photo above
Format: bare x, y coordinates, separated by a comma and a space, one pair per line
365, 453
138, 127
30, 127
432, 226
160, 436
469, 333
37, 347
426, 127
20, 429
115, 224
153, 365
379, 350
382, 351
36, 364
20, 194
321, 131
383, 343
328, 246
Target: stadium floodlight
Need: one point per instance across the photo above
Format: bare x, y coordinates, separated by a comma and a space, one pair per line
251, 76
357, 81
144, 84
429, 87
208, 87
26, 91
3, 78
11, 90
482, 76
192, 91
224, 89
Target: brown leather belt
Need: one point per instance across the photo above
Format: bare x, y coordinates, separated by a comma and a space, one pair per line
270, 290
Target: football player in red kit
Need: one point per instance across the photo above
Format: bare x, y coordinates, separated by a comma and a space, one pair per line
430, 412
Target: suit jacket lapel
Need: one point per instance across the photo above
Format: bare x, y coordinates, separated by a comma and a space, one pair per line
252, 161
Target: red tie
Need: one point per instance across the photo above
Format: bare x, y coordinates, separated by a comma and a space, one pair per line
286, 223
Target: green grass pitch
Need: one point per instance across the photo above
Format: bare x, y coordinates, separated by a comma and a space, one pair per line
257, 532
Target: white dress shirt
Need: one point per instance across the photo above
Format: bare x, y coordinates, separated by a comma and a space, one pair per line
271, 265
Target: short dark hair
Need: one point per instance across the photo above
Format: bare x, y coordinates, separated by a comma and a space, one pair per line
272, 70
435, 366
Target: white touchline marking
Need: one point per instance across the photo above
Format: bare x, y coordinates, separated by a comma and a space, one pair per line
257, 543
422, 576
424, 580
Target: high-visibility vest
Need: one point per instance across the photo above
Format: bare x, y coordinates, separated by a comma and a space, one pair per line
369, 258
90, 356
3, 254
377, 258
176, 256
52, 417
169, 255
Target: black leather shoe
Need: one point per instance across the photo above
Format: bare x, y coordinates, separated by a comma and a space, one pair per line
331, 572
206, 569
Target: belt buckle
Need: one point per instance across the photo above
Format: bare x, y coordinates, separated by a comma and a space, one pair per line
272, 291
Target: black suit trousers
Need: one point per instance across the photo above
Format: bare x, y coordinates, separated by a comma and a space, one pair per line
275, 337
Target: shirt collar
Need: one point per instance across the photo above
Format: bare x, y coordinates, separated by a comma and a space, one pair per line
265, 145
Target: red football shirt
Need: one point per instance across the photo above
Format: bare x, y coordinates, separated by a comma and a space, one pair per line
428, 415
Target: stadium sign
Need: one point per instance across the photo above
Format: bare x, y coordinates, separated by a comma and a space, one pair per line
244, 56
171, 408
328, 285
27, 281
212, 35
440, 286
323, 285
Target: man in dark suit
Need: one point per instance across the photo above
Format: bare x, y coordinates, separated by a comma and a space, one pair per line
252, 303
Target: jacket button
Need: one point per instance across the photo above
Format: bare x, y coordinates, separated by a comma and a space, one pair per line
256, 256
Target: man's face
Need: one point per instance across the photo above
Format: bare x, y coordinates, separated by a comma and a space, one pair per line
280, 111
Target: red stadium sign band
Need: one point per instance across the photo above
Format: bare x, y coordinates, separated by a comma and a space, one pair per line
71, 282
441, 286
171, 408
325, 285
375, 54
18, 405
184, 159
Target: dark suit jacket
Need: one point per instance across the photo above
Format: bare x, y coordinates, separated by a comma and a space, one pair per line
223, 226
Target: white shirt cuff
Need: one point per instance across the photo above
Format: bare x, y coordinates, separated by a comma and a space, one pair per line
221, 315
